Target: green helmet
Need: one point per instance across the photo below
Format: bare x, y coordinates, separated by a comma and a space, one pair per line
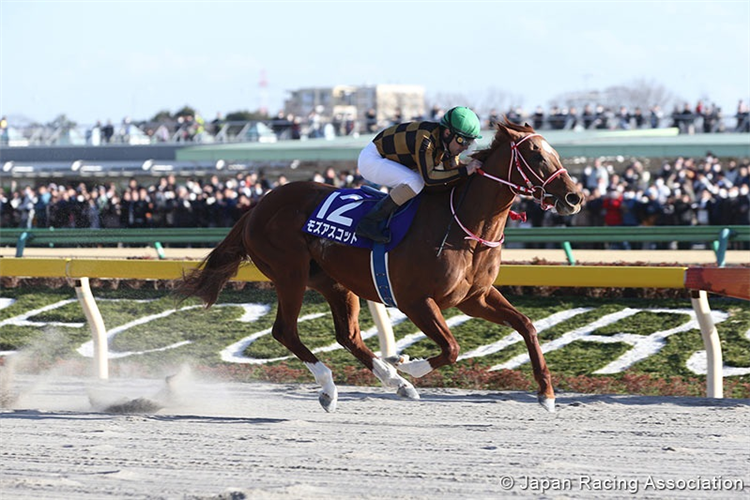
462, 121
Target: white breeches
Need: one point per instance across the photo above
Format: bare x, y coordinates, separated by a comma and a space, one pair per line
385, 172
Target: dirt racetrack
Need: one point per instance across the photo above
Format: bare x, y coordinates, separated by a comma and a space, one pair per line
71, 438
67, 438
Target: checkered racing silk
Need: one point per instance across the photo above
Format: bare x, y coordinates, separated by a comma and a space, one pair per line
418, 145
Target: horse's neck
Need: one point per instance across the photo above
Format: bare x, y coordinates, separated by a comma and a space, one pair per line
486, 206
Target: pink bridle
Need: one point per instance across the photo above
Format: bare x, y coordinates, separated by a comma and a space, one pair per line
529, 189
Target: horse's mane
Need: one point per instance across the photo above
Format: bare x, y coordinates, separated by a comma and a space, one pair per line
501, 138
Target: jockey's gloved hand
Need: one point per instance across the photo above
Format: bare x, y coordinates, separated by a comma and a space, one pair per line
472, 166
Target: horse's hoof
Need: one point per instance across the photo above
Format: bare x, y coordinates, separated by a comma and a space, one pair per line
408, 392
327, 402
547, 403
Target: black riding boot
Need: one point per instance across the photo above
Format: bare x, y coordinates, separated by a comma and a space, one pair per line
369, 226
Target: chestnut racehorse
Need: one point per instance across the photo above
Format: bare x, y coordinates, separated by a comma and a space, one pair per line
428, 272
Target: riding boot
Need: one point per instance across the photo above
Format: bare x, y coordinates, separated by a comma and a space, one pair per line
369, 226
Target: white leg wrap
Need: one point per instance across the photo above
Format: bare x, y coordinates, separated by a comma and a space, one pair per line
391, 379
417, 368
386, 373
324, 377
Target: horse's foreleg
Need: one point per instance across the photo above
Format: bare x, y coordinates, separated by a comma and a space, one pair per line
496, 308
345, 309
427, 317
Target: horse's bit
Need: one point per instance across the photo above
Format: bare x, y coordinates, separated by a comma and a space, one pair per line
529, 189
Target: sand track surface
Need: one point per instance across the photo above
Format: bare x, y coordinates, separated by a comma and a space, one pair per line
66, 437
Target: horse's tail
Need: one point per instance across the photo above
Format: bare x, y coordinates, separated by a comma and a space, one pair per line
208, 279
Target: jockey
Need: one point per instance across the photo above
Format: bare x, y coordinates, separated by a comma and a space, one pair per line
409, 156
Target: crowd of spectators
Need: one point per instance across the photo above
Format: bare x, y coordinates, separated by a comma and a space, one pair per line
701, 118
211, 202
684, 191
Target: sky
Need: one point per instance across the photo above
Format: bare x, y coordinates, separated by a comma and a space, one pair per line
106, 60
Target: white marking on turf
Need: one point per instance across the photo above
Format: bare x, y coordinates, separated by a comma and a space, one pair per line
698, 364
251, 314
540, 325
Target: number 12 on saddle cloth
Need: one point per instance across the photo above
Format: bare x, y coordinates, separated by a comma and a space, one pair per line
338, 215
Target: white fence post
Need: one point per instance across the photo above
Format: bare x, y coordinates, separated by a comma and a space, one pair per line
385, 329
715, 362
96, 322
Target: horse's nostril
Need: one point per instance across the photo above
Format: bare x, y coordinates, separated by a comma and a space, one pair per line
573, 199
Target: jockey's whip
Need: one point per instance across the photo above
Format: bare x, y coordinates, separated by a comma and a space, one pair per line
450, 224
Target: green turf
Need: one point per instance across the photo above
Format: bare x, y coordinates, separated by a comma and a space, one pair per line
53, 336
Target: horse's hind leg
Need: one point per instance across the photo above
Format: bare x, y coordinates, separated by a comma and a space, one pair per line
345, 308
427, 317
285, 330
496, 308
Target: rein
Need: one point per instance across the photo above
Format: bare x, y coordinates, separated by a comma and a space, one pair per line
450, 224
537, 192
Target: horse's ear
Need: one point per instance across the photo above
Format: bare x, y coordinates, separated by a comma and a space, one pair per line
526, 124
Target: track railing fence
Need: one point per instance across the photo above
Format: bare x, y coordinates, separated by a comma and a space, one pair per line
718, 238
733, 282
